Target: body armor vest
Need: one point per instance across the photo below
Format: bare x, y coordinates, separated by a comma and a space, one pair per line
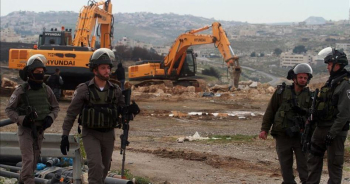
286, 117
101, 110
37, 99
326, 110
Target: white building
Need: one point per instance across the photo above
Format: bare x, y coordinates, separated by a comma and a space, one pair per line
290, 59
344, 46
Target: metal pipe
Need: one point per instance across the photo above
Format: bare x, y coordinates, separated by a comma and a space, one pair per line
10, 159
5, 122
12, 168
110, 180
8, 174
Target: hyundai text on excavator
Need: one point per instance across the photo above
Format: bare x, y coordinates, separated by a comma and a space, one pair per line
72, 56
181, 61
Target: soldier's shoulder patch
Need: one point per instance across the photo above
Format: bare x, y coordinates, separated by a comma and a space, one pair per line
348, 93
13, 98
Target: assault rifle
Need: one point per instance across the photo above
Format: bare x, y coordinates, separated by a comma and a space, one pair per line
306, 137
126, 117
32, 116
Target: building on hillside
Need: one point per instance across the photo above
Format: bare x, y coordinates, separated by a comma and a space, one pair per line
9, 35
343, 46
290, 59
125, 41
162, 50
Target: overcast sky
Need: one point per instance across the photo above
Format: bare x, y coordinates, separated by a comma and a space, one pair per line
252, 11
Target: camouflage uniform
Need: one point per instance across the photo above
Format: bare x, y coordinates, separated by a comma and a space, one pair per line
332, 117
98, 142
283, 119
26, 141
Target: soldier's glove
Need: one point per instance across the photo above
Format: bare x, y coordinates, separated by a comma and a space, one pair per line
47, 122
64, 145
329, 139
134, 108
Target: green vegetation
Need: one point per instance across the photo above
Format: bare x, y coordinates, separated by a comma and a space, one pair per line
82, 149
129, 176
299, 49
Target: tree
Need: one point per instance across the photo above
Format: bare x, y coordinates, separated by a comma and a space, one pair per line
299, 49
253, 54
262, 54
277, 51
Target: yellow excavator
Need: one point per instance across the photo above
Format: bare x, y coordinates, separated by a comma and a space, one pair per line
71, 55
180, 63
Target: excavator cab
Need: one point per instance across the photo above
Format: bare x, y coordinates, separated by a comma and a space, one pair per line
54, 37
190, 66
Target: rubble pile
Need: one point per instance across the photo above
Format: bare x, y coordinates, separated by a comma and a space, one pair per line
250, 87
7, 86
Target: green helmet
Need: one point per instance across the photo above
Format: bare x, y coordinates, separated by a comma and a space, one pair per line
330, 54
300, 68
101, 56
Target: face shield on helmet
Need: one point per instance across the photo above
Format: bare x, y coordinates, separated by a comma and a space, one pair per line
36, 61
332, 55
101, 56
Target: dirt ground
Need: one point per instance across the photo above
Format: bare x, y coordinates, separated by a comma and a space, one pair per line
154, 152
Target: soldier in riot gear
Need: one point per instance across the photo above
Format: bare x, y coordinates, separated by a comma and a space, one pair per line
286, 113
99, 103
33, 107
332, 118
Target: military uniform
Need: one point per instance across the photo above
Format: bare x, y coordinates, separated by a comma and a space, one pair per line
332, 117
98, 109
55, 82
286, 123
45, 104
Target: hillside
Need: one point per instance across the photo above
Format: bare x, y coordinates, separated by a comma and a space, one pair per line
143, 26
315, 20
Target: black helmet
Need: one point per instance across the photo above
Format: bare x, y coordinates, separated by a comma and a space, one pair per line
330, 54
300, 68
101, 56
35, 61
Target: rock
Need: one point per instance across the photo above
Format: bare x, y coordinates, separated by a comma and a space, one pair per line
7, 83
270, 89
191, 89
245, 83
253, 85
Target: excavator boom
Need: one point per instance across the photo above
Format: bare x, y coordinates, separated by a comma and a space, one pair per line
178, 60
72, 56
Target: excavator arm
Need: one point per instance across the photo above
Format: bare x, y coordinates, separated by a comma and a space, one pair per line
91, 19
184, 41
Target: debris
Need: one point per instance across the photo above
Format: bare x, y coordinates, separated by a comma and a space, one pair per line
253, 85
7, 83
208, 94
194, 137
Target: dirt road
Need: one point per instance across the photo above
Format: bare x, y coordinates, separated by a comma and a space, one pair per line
155, 153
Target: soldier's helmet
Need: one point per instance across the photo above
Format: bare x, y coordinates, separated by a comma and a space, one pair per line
36, 61
330, 54
101, 56
300, 68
